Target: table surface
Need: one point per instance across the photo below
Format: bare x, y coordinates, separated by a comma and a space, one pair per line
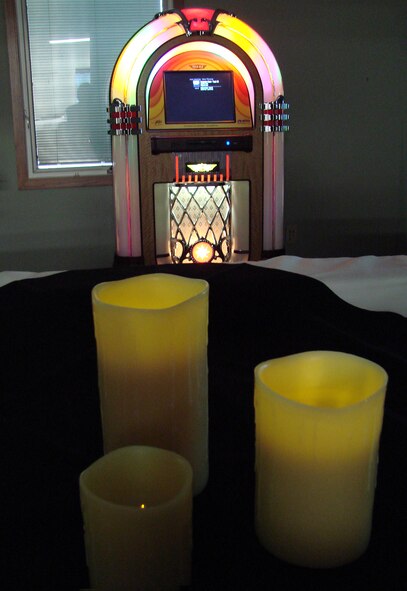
51, 425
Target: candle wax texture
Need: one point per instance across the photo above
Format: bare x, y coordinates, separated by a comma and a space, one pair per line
318, 422
152, 335
130, 548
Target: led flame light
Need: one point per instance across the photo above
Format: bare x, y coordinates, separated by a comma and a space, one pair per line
128, 547
202, 252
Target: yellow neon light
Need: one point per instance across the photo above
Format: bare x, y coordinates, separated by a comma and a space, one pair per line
137, 51
140, 47
257, 49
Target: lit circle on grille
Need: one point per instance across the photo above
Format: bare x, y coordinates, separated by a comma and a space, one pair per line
202, 252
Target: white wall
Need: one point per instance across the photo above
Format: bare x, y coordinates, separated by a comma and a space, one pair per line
344, 68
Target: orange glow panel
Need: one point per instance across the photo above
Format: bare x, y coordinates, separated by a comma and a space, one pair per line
199, 61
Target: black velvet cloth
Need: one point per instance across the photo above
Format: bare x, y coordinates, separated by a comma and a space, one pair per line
50, 425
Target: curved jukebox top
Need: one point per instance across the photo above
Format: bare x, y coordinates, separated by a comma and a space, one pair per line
196, 115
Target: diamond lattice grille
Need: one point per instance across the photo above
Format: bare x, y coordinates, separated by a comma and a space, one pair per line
200, 211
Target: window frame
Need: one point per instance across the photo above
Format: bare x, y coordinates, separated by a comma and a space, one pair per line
27, 179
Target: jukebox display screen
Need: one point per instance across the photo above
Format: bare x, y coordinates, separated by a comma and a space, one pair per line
206, 97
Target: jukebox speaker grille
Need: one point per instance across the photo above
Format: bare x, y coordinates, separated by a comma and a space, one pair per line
200, 212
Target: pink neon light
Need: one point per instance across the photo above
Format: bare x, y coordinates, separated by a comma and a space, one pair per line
198, 18
227, 166
273, 196
128, 208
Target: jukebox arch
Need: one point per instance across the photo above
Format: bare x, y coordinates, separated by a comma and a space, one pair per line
200, 173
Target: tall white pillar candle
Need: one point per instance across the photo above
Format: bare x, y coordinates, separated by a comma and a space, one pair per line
318, 423
151, 335
137, 513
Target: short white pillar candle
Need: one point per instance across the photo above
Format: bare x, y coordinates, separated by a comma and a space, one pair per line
137, 513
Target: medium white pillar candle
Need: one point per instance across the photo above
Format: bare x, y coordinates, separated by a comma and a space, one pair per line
151, 335
137, 513
318, 422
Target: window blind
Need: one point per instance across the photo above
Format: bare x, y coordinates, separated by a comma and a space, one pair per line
73, 47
